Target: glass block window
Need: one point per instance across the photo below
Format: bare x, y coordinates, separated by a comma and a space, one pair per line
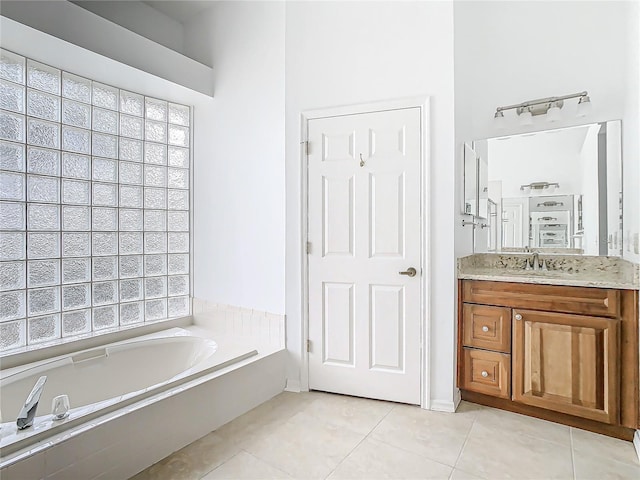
94, 205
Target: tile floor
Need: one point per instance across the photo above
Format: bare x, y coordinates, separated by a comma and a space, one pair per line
318, 435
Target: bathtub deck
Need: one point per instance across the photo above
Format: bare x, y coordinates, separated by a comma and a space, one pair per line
147, 431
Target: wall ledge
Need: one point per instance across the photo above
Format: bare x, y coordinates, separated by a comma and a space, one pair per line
78, 26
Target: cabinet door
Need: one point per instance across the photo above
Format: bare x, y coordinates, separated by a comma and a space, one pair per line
566, 363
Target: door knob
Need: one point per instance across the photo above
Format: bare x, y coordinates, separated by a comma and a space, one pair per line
518, 316
410, 272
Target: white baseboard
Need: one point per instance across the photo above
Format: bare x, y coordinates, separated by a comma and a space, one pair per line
457, 398
636, 443
293, 386
443, 406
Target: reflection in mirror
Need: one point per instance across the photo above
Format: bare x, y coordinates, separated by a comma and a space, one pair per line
470, 204
556, 191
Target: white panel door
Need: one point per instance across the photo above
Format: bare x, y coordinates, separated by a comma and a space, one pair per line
364, 229
513, 221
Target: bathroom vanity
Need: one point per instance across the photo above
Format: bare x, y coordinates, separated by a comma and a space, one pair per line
561, 344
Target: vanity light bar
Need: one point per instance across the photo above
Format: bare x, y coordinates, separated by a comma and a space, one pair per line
539, 185
542, 105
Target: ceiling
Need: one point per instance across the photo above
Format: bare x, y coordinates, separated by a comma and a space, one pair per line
180, 10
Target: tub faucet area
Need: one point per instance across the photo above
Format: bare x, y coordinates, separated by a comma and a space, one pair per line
28, 411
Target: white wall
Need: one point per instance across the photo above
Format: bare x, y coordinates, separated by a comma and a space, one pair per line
342, 53
139, 17
631, 139
239, 191
510, 52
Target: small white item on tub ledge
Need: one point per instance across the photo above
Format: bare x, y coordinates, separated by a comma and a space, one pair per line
60, 407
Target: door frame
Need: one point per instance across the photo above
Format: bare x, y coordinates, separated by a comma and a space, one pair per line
423, 103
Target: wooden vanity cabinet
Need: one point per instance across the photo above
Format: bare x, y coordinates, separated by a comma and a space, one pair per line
565, 354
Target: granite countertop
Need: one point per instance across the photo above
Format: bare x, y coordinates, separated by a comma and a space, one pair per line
572, 270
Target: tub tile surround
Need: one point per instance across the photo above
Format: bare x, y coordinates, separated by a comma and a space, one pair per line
265, 328
571, 270
294, 436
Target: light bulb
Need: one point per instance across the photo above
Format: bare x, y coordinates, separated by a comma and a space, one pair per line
584, 106
499, 120
553, 114
526, 118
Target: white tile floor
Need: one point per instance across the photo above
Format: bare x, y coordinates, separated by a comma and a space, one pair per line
317, 435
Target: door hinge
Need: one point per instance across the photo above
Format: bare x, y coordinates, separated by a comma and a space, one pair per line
308, 345
306, 148
308, 248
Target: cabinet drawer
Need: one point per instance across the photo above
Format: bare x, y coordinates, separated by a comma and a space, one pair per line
486, 327
487, 372
561, 217
554, 204
582, 300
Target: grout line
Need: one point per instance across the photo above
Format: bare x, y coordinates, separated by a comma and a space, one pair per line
573, 460
267, 434
464, 444
361, 441
406, 450
268, 463
221, 464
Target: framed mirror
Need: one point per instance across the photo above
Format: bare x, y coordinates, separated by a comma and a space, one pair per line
555, 191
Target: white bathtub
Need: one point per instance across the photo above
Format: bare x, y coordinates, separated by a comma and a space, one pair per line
101, 380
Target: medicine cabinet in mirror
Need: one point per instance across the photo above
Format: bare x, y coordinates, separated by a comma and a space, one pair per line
556, 191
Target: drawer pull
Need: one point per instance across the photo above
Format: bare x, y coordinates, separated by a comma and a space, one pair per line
606, 302
485, 328
518, 316
485, 374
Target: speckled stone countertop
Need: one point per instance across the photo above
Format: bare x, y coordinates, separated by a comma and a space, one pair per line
573, 270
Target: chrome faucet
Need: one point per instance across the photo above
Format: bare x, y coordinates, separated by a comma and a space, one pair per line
535, 261
28, 412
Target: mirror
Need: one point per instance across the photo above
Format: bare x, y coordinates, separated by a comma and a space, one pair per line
556, 191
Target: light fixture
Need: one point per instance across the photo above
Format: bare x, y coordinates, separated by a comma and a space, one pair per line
526, 117
584, 106
550, 106
540, 186
553, 114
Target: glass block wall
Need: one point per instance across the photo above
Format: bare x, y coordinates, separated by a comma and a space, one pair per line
94, 205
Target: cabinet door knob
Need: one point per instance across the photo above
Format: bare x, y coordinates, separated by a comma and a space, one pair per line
518, 316
485, 374
485, 328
